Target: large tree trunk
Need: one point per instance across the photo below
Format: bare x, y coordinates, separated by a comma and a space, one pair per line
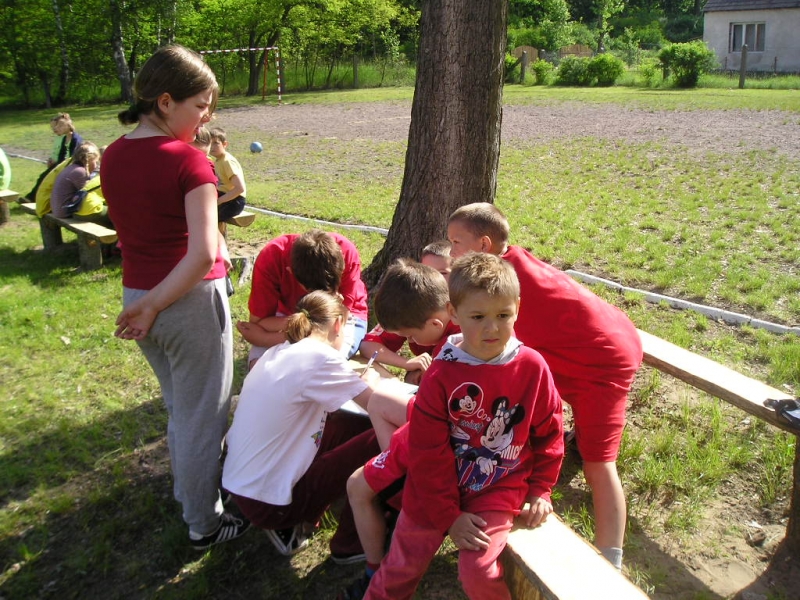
454, 138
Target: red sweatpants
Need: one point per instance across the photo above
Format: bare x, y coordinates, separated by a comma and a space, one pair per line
414, 547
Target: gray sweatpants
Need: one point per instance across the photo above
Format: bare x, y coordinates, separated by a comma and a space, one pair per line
190, 348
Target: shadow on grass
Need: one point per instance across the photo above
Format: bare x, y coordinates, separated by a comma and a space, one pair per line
121, 537
643, 556
47, 269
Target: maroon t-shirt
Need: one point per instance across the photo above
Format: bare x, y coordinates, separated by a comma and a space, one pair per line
145, 182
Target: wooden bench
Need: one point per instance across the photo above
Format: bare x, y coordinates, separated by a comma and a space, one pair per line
91, 236
6, 198
552, 562
243, 219
733, 387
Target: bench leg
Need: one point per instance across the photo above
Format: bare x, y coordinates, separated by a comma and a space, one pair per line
90, 252
4, 212
51, 234
793, 529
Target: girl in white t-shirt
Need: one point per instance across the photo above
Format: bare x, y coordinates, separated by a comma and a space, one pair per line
290, 450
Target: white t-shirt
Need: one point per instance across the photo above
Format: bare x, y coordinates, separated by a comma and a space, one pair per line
278, 423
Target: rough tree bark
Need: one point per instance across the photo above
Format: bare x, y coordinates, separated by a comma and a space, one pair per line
454, 137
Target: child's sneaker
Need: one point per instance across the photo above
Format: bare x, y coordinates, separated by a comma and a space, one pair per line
348, 559
230, 528
288, 541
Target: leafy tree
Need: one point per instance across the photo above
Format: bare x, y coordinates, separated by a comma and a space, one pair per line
539, 23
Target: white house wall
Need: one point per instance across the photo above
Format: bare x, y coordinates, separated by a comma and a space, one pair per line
782, 44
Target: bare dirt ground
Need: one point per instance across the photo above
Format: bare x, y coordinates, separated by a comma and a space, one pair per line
728, 130
737, 551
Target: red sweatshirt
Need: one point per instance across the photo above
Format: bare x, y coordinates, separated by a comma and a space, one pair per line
499, 424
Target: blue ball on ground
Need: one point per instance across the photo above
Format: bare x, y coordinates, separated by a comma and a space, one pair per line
256, 147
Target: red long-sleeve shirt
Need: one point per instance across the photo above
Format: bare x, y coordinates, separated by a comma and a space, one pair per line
482, 437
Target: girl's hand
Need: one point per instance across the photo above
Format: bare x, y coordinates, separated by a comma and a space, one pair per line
467, 533
135, 320
535, 511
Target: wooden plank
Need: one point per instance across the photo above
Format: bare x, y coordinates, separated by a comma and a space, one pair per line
28, 207
9, 196
552, 562
713, 378
95, 231
6, 198
243, 219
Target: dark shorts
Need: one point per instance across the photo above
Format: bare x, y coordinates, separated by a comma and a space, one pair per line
230, 209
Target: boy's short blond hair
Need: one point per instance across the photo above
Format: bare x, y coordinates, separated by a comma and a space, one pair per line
483, 218
218, 134
439, 248
408, 295
482, 272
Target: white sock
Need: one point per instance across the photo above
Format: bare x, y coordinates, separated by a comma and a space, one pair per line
612, 555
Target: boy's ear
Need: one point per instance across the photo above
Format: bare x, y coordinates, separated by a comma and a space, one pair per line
451, 311
486, 243
436, 322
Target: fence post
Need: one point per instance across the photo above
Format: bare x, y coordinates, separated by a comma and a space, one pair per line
524, 66
355, 70
743, 67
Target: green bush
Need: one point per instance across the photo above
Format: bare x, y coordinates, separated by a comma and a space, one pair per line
686, 62
601, 70
604, 69
542, 71
511, 65
574, 70
650, 72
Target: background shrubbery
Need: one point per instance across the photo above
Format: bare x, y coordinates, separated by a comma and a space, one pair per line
601, 70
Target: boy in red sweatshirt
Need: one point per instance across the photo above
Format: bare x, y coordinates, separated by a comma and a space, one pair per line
485, 441
592, 348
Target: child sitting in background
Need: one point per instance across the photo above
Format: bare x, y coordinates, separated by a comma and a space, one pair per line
231, 186
202, 141
388, 344
484, 441
592, 348
84, 166
410, 302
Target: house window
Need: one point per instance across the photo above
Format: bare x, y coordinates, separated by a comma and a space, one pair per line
752, 34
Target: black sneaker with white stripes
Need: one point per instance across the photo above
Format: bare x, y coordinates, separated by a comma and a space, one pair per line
230, 528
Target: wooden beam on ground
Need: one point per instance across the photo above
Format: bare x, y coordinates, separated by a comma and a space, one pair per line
552, 562
713, 378
735, 388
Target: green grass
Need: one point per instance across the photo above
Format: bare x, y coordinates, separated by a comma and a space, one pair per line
85, 504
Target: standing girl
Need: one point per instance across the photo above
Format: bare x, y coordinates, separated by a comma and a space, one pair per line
290, 450
161, 195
